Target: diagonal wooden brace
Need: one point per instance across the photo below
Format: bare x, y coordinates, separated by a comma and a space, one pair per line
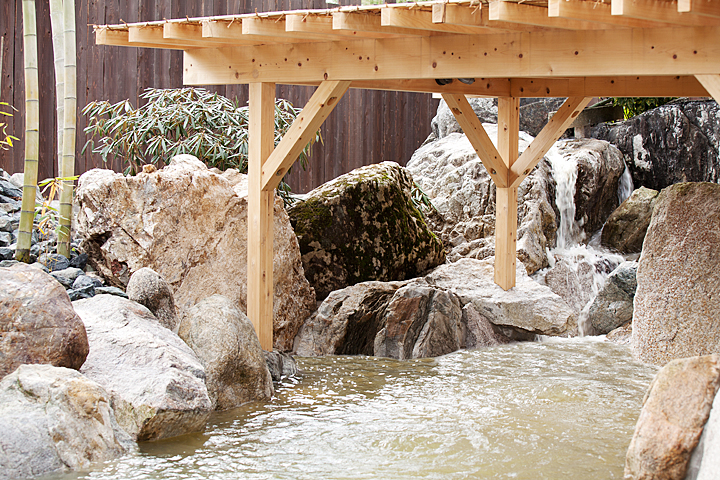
323, 101
546, 138
711, 83
478, 137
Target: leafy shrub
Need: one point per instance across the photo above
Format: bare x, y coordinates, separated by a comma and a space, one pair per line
633, 106
178, 121
6, 141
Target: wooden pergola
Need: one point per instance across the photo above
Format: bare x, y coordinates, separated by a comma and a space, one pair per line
503, 48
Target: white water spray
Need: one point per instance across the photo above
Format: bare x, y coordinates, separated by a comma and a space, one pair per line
625, 185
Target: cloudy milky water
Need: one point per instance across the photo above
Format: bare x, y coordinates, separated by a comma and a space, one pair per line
563, 409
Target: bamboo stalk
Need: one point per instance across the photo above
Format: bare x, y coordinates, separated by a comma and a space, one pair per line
68, 163
32, 132
56, 22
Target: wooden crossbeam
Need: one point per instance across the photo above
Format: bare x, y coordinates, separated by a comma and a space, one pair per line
598, 12
700, 7
371, 23
660, 11
665, 86
478, 137
476, 16
534, 15
193, 33
121, 38
711, 84
546, 138
152, 36
323, 101
561, 54
230, 31
261, 133
323, 25
506, 198
418, 19
271, 27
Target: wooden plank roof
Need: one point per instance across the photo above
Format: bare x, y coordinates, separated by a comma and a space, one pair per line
504, 48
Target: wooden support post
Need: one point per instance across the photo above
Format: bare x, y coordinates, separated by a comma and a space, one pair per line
506, 198
260, 213
711, 83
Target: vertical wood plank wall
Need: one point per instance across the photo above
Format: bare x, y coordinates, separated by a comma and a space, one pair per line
366, 127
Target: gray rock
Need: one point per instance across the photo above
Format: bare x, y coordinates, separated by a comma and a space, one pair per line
83, 281
363, 226
7, 253
79, 260
705, 459
281, 365
87, 291
66, 277
528, 307
38, 323
6, 239
8, 189
190, 226
672, 418
573, 280
479, 331
613, 305
624, 230
148, 288
157, 381
10, 207
53, 261
55, 419
6, 224
621, 335
677, 142
111, 291
8, 263
224, 340
678, 277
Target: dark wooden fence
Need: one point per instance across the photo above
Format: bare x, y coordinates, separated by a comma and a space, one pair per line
366, 127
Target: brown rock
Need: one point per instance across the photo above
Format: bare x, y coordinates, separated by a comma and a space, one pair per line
190, 226
672, 419
37, 321
678, 277
148, 288
625, 228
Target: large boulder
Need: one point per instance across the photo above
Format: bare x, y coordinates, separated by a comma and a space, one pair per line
363, 226
705, 459
54, 419
678, 277
224, 340
156, 379
527, 308
672, 418
37, 321
677, 142
148, 288
613, 305
451, 174
625, 228
189, 225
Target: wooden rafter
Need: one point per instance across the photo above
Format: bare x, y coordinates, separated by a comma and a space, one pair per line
419, 19
323, 25
271, 27
303, 129
700, 7
478, 137
533, 15
711, 84
660, 11
546, 138
597, 12
371, 23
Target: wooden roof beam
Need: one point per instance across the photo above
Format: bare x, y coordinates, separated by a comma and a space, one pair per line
700, 7
193, 33
619, 86
553, 130
370, 23
419, 19
121, 38
533, 15
154, 35
275, 27
660, 11
475, 16
230, 31
323, 25
592, 11
478, 137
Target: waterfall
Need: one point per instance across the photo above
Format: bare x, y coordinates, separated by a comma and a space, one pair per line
625, 185
564, 172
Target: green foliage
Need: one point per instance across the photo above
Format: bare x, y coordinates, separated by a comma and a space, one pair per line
47, 216
633, 106
178, 121
6, 141
420, 200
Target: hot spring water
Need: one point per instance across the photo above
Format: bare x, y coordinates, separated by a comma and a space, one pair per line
556, 409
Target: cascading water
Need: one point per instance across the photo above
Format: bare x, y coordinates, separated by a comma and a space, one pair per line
583, 260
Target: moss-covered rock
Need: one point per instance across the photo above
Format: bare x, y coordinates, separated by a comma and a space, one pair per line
363, 226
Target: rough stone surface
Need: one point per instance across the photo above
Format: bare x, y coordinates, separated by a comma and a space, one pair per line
705, 459
224, 340
157, 382
451, 174
55, 419
420, 321
53, 261
528, 307
190, 226
621, 335
677, 142
479, 332
280, 364
678, 277
613, 305
363, 226
148, 288
624, 230
66, 277
38, 323
672, 418
572, 280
